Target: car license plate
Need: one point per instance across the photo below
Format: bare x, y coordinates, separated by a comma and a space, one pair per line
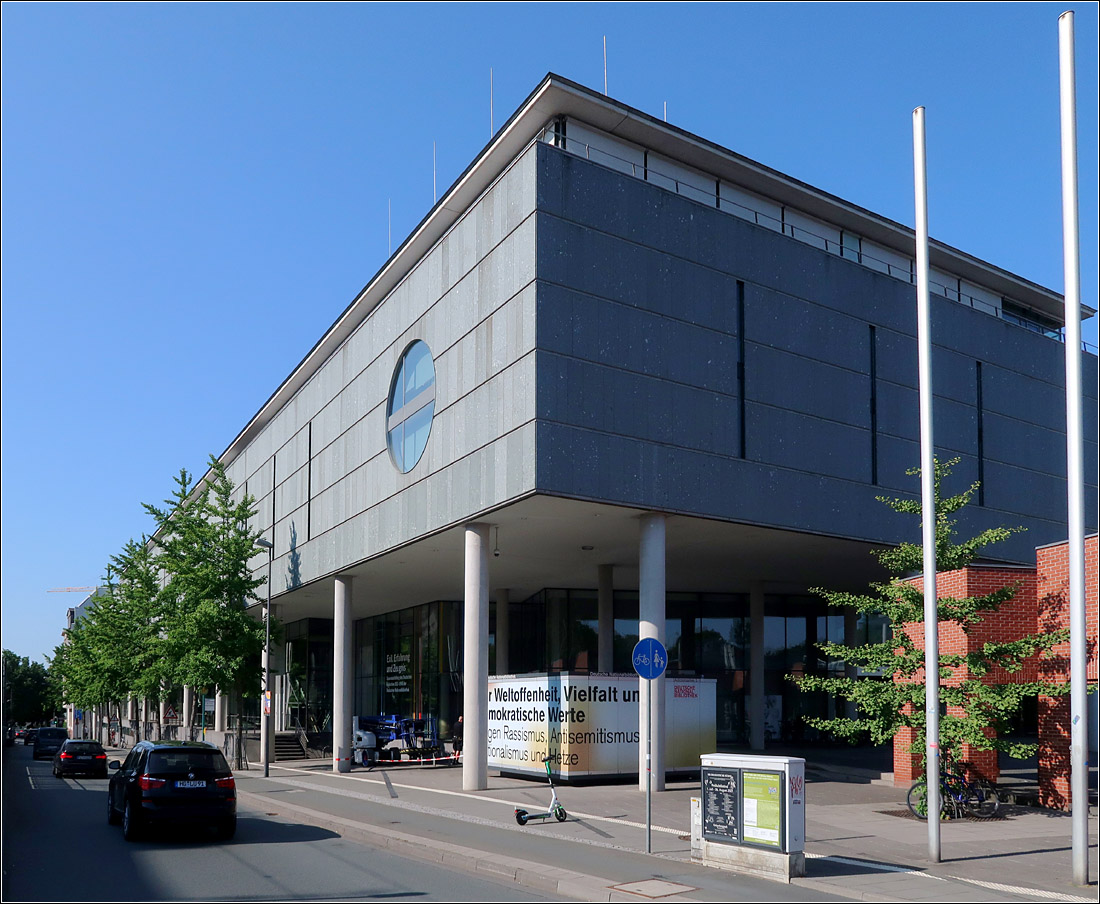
195, 784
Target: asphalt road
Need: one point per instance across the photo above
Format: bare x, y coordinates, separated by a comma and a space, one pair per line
57, 846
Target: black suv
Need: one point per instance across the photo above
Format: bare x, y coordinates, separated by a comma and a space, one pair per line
80, 758
48, 741
172, 783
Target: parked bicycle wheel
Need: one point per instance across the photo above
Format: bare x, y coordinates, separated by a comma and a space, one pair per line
917, 801
981, 801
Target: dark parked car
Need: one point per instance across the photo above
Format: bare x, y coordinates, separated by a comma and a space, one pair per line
81, 758
48, 741
172, 783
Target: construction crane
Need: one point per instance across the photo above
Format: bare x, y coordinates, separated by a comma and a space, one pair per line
71, 589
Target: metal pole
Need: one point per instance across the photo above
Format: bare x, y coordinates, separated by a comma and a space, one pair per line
649, 766
1075, 475
265, 713
928, 496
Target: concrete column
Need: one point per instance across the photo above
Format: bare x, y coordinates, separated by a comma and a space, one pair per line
475, 659
606, 618
851, 624
756, 666
555, 639
502, 633
187, 717
651, 623
341, 676
221, 711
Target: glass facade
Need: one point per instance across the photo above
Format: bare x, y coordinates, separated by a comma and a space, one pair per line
409, 662
309, 670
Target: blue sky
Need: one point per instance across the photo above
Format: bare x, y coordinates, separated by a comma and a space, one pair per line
193, 192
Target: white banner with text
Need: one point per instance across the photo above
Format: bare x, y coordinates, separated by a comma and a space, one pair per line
588, 724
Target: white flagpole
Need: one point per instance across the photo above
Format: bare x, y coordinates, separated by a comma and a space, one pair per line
1075, 475
928, 497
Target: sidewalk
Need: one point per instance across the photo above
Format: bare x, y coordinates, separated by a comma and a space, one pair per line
861, 842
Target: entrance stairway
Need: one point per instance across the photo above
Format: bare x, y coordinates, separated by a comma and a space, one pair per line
288, 746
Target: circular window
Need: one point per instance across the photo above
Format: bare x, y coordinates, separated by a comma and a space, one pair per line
411, 406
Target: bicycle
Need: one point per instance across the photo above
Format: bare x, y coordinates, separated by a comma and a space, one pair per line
958, 797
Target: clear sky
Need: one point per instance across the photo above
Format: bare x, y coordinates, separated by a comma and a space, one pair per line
193, 192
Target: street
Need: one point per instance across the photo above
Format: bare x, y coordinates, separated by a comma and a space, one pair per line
57, 846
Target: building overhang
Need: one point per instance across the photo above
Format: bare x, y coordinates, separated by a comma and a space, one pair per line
549, 542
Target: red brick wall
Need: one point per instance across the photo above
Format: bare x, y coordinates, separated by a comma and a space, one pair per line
1040, 604
1052, 564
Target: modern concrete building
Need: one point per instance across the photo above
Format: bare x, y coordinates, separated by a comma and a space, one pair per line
623, 382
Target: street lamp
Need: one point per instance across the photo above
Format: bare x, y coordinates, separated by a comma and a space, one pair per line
265, 706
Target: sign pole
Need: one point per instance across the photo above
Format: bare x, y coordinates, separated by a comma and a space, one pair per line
650, 659
649, 767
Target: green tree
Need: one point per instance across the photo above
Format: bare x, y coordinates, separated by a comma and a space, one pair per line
886, 706
114, 651
30, 691
204, 545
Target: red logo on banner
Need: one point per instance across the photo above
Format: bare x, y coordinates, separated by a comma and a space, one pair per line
684, 690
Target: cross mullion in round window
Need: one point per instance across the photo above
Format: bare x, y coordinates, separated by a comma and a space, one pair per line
411, 406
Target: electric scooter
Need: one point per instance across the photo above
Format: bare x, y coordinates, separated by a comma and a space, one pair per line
555, 809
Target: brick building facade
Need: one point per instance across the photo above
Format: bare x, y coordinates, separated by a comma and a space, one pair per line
1041, 605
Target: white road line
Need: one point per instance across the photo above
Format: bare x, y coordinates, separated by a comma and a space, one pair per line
992, 886
1035, 892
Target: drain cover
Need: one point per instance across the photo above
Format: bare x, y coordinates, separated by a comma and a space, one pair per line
653, 888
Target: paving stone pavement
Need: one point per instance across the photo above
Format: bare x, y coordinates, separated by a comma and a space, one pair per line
861, 842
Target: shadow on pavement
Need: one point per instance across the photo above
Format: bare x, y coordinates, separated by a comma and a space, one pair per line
829, 868
250, 830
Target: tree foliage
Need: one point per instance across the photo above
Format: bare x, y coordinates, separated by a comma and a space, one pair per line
979, 710
113, 650
173, 608
204, 546
31, 694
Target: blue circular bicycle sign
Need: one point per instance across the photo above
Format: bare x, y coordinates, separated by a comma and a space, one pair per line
650, 658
